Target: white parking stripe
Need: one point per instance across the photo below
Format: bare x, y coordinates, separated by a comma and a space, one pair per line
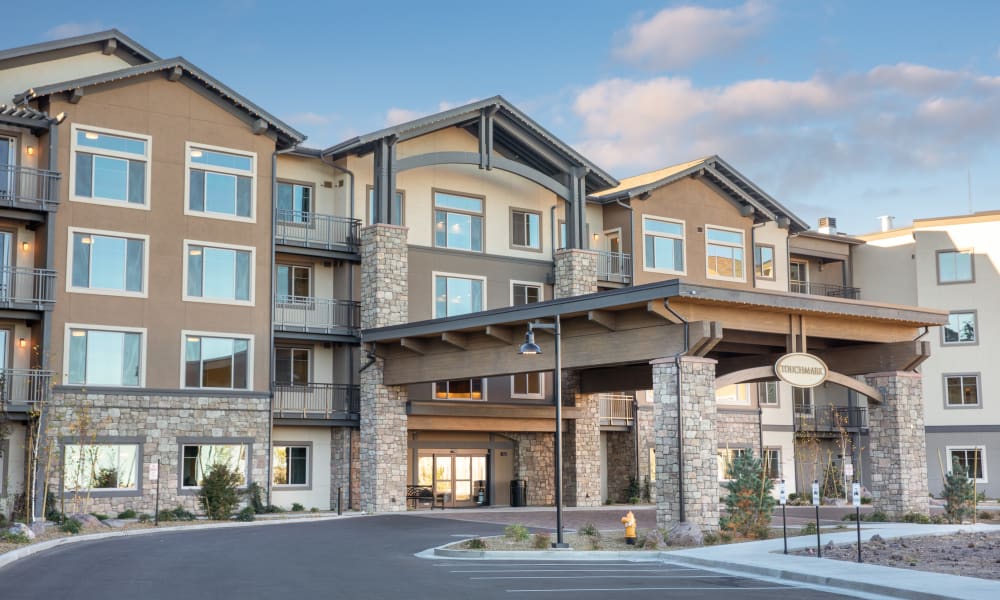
570, 570
610, 577
650, 589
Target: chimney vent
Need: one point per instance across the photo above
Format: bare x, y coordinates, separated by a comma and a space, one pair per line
886, 222
827, 225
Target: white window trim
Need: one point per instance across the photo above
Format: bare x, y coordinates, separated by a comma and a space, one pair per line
253, 273
185, 333
975, 320
982, 453
683, 239
742, 247
538, 284
481, 215
734, 400
482, 385
188, 165
541, 387
607, 234
436, 274
77, 127
309, 465
91, 327
70, 288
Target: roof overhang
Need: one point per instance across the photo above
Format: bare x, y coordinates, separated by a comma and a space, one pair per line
109, 42
25, 116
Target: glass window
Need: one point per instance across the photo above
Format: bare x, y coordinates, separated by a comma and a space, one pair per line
767, 393
216, 362
105, 262
960, 328
99, 467
457, 296
737, 393
218, 273
763, 261
458, 222
802, 401
220, 183
395, 209
291, 366
527, 385
725, 458
772, 463
198, 460
459, 389
294, 202
724, 252
970, 459
525, 229
291, 465
961, 390
110, 167
99, 357
664, 245
954, 266
525, 293
294, 284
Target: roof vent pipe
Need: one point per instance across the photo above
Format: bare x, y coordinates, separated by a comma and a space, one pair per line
885, 221
827, 225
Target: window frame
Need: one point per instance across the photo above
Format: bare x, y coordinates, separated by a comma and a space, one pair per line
308, 222
188, 165
972, 265
742, 248
218, 245
807, 394
975, 324
537, 284
75, 128
182, 442
774, 270
308, 485
251, 356
979, 390
480, 215
482, 388
137, 441
436, 274
540, 247
294, 348
682, 238
776, 463
294, 300
741, 389
370, 206
143, 345
735, 451
762, 394
982, 463
541, 387
70, 288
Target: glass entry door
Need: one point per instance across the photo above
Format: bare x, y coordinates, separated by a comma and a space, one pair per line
457, 479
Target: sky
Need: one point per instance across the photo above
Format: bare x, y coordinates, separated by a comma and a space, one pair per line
842, 108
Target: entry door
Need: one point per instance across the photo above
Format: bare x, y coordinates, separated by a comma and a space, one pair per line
798, 277
613, 240
8, 157
458, 478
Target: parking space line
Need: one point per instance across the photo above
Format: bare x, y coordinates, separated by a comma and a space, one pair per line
570, 570
608, 577
649, 589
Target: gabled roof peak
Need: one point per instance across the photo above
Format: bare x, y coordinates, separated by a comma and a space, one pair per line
111, 40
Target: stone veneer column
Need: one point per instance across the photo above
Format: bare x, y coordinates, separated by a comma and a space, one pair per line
340, 466
898, 444
581, 446
534, 462
576, 272
697, 407
384, 301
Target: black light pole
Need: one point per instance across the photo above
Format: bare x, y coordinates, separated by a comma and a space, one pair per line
530, 347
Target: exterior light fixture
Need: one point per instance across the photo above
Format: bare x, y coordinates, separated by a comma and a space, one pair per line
22, 343
30, 150
25, 246
529, 346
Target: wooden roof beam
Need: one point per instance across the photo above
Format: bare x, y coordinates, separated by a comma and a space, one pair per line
458, 340
604, 318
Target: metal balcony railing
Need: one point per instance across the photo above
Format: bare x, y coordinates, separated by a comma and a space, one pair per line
24, 286
616, 409
833, 419
317, 401
614, 266
317, 315
24, 187
24, 387
824, 289
314, 230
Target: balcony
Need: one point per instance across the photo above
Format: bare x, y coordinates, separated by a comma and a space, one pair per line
24, 388
824, 289
614, 266
27, 288
314, 230
616, 410
27, 188
832, 419
317, 315
317, 401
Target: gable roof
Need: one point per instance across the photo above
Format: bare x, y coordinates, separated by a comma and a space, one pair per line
107, 41
287, 135
721, 174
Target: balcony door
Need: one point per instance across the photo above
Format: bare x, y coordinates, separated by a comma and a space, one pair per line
613, 240
798, 276
8, 159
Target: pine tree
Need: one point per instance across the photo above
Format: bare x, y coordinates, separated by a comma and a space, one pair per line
959, 493
749, 502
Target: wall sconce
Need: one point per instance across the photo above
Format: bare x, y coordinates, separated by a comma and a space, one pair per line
25, 246
30, 150
596, 237
22, 343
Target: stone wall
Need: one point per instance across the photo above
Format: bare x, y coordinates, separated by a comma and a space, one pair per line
344, 464
384, 273
621, 463
534, 462
738, 429
581, 446
576, 272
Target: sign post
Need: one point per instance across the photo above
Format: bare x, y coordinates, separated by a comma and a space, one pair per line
815, 490
782, 498
856, 499
848, 475
154, 475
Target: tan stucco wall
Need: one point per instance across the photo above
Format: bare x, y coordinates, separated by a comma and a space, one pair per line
318, 496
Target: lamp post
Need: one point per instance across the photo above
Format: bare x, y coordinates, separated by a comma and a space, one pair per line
529, 347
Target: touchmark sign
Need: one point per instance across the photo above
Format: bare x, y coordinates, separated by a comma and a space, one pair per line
801, 370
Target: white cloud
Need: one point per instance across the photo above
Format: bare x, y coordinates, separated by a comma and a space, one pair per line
65, 30
678, 36
396, 115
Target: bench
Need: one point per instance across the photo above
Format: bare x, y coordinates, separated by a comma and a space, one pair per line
423, 494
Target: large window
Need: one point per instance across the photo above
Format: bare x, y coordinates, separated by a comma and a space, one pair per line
291, 366
763, 261
291, 464
525, 229
111, 357
459, 389
107, 262
772, 463
724, 253
294, 202
972, 459
458, 222
219, 274
961, 390
220, 182
737, 393
664, 245
198, 460
955, 266
294, 284
110, 167
960, 328
527, 385
217, 362
725, 458
396, 207
525, 293
100, 467
457, 295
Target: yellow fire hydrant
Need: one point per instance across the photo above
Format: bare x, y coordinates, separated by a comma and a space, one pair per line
629, 522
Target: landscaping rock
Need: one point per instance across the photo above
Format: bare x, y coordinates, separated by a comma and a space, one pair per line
87, 520
115, 523
40, 527
21, 528
686, 534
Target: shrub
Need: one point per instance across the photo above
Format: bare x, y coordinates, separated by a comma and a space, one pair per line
808, 529
541, 541
246, 515
959, 494
127, 514
647, 489
254, 497
938, 520
749, 502
762, 533
516, 532
595, 541
14, 537
850, 517
916, 518
145, 517
710, 539
588, 529
833, 482
634, 490
985, 515
100, 516
219, 494
273, 508
314, 510
177, 514
475, 544
3, 520
877, 516
296, 507
71, 526
866, 500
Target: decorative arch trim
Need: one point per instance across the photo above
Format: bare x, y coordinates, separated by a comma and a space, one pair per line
766, 373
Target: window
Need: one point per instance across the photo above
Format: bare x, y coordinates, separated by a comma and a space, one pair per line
219, 274
960, 329
737, 393
107, 263
105, 357
291, 465
294, 284
955, 266
459, 389
198, 460
772, 463
457, 295
972, 459
458, 222
294, 202
527, 385
763, 261
802, 401
525, 293
110, 167
767, 393
798, 277
664, 245
291, 366
100, 467
221, 182
525, 229
217, 362
725, 458
724, 253
961, 390
396, 207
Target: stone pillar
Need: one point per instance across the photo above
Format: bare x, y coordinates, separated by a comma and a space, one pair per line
384, 301
341, 455
581, 446
534, 462
898, 444
576, 272
698, 439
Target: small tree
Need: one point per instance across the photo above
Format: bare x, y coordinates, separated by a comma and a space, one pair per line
959, 494
219, 493
749, 502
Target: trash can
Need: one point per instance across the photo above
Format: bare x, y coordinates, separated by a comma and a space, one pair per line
518, 492
479, 492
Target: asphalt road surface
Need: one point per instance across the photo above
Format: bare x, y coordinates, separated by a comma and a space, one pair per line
352, 559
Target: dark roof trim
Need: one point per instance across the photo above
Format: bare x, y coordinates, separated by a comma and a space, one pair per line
291, 136
123, 42
25, 116
839, 237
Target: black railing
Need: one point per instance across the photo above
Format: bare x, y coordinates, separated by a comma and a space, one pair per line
317, 401
832, 419
824, 289
24, 187
317, 315
314, 230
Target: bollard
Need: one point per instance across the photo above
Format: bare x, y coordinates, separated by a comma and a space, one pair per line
340, 499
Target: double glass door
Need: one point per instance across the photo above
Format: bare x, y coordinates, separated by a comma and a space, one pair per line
458, 479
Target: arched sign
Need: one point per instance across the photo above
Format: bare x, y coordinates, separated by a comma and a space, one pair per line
801, 370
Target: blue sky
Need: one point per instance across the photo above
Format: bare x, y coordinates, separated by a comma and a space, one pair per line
843, 108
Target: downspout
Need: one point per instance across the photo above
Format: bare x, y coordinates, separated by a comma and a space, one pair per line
680, 413
631, 275
774, 268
